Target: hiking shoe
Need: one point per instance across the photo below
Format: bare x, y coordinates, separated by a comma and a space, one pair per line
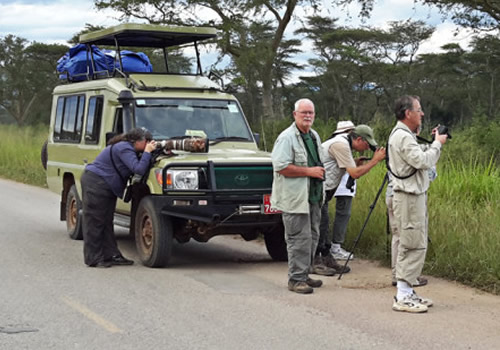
314, 283
424, 301
330, 262
421, 281
408, 304
318, 268
300, 287
340, 253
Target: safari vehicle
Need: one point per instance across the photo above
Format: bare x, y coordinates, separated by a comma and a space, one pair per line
223, 190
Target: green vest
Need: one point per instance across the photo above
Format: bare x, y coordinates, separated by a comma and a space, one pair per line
315, 185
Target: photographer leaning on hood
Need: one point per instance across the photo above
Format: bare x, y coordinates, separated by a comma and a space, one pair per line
103, 181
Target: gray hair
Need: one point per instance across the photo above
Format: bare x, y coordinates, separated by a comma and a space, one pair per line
403, 104
296, 107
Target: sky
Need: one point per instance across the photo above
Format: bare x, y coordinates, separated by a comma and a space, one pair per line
56, 21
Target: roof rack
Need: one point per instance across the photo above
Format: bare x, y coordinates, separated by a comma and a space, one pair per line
148, 35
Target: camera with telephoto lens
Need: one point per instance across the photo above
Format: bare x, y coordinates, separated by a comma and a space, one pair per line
443, 130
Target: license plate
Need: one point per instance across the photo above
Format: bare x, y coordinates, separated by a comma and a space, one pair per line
267, 205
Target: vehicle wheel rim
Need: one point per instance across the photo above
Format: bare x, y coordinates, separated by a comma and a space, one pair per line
72, 213
147, 233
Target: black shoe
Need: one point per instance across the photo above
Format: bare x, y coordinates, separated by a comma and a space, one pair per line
314, 283
120, 260
102, 264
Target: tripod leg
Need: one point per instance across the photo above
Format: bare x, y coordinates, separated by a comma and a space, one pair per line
372, 206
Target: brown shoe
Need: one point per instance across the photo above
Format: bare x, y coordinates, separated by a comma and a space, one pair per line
331, 263
314, 283
318, 268
300, 287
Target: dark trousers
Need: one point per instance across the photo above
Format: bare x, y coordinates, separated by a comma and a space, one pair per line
99, 204
324, 226
342, 216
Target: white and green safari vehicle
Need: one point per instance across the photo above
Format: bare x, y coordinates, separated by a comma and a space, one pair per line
223, 190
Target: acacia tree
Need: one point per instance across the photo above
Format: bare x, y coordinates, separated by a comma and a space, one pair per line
479, 14
236, 19
27, 77
361, 70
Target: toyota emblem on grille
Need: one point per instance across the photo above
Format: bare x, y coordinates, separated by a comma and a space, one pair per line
241, 179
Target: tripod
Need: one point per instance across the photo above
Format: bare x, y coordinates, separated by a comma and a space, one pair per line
372, 206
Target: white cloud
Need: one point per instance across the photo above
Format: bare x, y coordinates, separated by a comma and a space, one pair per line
446, 33
50, 22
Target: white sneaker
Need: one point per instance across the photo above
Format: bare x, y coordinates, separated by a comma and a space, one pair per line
424, 301
408, 304
340, 253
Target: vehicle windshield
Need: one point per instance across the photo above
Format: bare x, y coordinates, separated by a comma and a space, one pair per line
177, 118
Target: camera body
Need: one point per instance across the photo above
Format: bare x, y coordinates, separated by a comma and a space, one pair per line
443, 130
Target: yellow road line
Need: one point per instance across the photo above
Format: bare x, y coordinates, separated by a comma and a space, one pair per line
110, 327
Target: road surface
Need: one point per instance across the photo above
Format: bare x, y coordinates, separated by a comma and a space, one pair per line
224, 294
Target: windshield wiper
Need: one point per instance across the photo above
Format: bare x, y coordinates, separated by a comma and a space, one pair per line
229, 138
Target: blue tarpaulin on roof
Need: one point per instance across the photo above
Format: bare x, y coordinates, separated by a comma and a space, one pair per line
76, 64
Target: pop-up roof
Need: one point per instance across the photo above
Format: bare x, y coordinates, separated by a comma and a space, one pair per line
147, 35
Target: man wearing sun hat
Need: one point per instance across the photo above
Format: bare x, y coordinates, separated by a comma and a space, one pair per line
340, 161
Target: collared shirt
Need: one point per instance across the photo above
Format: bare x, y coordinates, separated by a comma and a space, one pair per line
126, 162
291, 194
338, 158
406, 155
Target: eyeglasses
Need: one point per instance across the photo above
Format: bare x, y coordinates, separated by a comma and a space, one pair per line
417, 110
305, 112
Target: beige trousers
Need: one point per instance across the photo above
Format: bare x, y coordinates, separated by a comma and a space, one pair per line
410, 218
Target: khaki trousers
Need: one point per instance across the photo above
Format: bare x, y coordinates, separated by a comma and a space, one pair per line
410, 217
301, 235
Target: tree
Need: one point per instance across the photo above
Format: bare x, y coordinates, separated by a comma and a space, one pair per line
470, 13
244, 24
27, 77
477, 14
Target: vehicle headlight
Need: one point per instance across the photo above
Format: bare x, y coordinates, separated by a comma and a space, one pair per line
182, 179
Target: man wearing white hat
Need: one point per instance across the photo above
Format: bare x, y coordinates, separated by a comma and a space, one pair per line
340, 161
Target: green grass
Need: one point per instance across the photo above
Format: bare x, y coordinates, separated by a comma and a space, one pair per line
464, 217
20, 153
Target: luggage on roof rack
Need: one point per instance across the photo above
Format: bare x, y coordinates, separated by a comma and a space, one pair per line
76, 64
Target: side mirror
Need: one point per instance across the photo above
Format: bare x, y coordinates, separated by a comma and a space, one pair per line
109, 136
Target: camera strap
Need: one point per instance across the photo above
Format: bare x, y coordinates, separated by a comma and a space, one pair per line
387, 158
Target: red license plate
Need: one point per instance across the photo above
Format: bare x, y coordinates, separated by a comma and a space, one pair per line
267, 205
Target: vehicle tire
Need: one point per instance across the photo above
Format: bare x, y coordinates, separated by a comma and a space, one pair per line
73, 216
153, 234
44, 155
276, 244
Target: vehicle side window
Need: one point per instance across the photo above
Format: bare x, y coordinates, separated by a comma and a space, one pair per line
94, 115
59, 114
118, 124
69, 118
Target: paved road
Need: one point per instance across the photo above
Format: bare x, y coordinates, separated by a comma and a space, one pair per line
225, 294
